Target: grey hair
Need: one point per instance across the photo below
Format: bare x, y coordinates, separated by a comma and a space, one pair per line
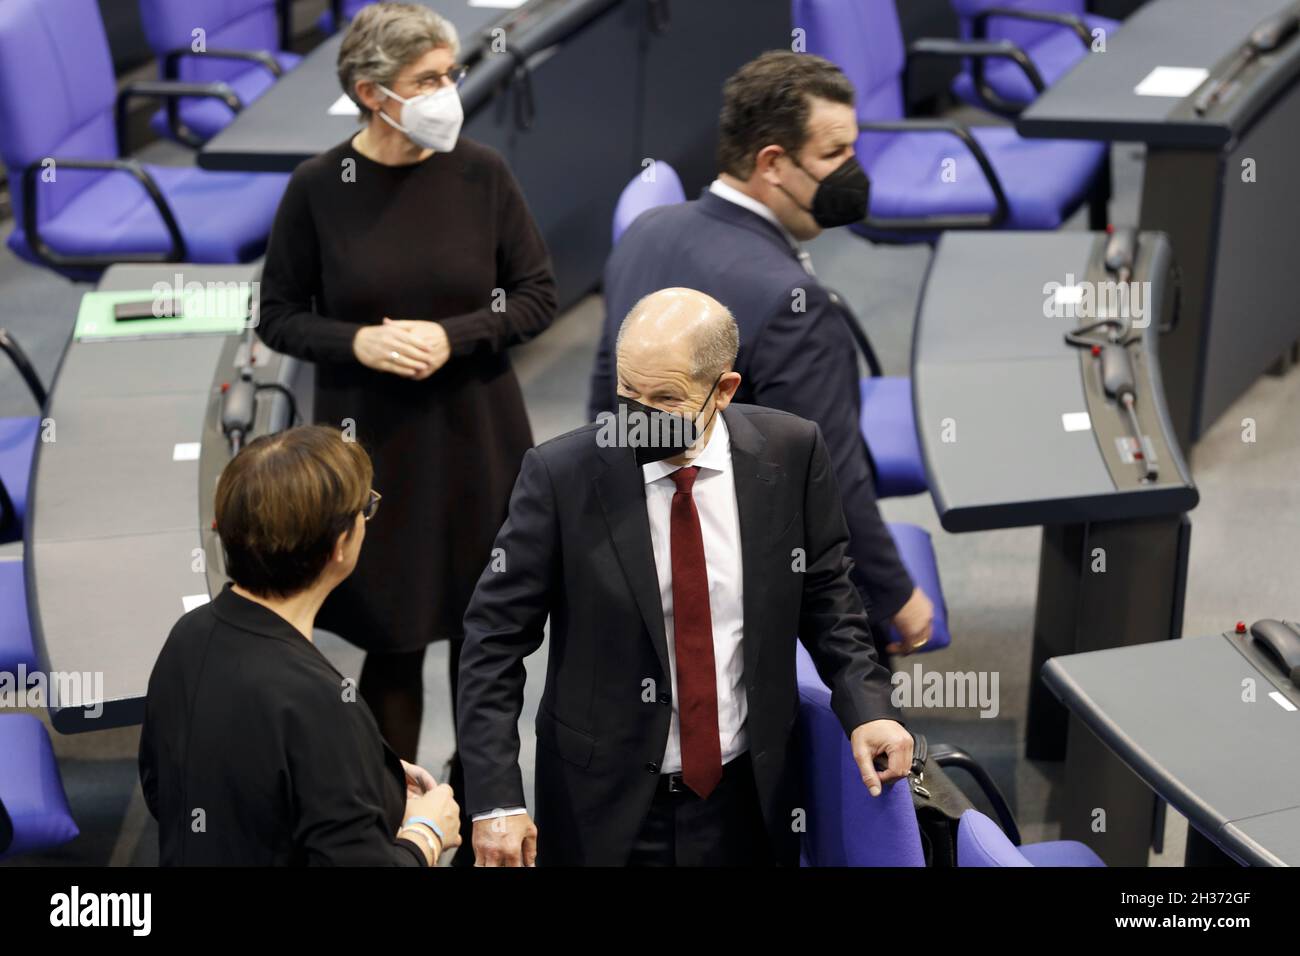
383, 38
717, 341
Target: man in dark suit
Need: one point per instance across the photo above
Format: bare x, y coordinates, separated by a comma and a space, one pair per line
786, 149
678, 548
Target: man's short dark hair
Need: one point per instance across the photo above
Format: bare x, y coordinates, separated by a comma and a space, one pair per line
282, 503
766, 102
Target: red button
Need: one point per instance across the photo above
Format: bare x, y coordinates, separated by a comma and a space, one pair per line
1241, 627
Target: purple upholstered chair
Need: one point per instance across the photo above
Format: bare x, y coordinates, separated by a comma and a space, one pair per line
78, 205
18, 436
931, 175
845, 825
34, 812
980, 842
240, 48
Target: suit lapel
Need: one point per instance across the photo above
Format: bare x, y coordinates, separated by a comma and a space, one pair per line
756, 481
621, 489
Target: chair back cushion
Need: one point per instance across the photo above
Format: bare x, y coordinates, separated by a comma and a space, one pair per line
845, 825
656, 185
981, 842
35, 807
217, 25
863, 38
56, 95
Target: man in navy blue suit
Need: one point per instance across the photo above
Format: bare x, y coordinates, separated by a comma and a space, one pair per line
788, 170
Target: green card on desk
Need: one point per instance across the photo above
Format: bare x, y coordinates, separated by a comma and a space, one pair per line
206, 312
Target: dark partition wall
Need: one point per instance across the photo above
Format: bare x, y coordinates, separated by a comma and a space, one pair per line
576, 146
685, 61
639, 81
125, 33
931, 78
1118, 9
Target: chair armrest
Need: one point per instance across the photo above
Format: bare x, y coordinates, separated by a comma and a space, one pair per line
979, 51
58, 260
264, 58
946, 755
172, 91
979, 24
940, 223
24, 366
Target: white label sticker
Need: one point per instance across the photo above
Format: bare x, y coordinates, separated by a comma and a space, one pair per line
1171, 81
186, 451
1280, 699
191, 601
1069, 294
1076, 422
344, 107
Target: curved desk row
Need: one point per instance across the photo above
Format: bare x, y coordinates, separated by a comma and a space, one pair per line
1218, 180
119, 541
1211, 725
1017, 429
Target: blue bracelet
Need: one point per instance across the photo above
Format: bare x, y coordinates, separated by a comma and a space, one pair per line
437, 831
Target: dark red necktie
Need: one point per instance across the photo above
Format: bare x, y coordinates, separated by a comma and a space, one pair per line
697, 688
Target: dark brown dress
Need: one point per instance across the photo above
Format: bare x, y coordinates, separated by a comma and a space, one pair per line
449, 239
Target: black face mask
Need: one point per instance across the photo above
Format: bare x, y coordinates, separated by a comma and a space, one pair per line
665, 434
841, 197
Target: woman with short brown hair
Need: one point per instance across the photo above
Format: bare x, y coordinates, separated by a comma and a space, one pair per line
255, 750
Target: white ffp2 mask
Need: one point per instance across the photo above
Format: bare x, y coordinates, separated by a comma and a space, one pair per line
432, 120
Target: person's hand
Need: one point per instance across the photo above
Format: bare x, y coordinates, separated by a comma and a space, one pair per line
433, 337
392, 347
915, 623
439, 805
418, 780
886, 739
505, 841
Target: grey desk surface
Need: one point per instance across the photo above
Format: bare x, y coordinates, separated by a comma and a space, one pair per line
991, 380
292, 122
1096, 99
1173, 712
115, 530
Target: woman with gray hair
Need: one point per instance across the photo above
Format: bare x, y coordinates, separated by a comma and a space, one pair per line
404, 263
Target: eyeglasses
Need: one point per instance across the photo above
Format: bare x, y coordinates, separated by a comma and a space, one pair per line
434, 81
371, 505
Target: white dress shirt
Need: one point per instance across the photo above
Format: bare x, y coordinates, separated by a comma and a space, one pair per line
715, 502
734, 195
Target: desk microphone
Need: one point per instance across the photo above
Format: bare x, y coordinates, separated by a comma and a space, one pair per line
1120, 384
1121, 250
1265, 38
238, 407
1117, 378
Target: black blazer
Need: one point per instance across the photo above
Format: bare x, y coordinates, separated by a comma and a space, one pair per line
803, 362
255, 753
576, 547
